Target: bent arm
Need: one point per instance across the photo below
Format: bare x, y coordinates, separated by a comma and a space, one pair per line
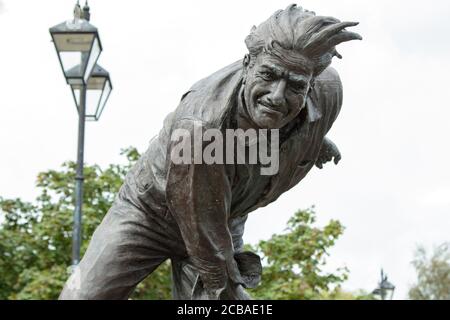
199, 197
328, 93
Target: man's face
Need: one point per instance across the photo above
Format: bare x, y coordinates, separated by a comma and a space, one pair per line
275, 92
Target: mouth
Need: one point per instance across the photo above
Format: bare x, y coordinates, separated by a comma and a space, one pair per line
268, 109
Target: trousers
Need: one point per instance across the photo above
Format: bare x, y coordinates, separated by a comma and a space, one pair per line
127, 246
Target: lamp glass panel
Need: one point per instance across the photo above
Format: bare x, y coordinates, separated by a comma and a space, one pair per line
389, 294
97, 93
70, 60
74, 49
92, 102
104, 98
95, 53
76, 94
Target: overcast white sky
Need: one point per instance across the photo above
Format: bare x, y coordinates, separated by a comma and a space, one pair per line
392, 188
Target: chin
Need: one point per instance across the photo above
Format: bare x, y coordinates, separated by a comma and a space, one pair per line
265, 122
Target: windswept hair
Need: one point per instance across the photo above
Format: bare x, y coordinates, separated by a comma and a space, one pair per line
299, 37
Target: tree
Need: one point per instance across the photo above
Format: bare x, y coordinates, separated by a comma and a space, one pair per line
293, 261
433, 274
36, 239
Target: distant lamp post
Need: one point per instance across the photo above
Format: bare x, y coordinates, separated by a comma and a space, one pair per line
385, 289
78, 46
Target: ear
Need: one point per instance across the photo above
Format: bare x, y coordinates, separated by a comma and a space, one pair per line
312, 83
245, 63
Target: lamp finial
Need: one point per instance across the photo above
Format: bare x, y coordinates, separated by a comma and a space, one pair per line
86, 12
77, 11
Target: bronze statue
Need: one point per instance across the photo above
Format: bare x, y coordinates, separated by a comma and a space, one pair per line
194, 213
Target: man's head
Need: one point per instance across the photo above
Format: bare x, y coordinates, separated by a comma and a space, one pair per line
286, 53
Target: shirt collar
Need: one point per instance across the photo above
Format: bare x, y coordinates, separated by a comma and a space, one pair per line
314, 113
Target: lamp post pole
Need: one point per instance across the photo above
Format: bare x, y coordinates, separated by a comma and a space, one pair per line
85, 78
79, 174
79, 180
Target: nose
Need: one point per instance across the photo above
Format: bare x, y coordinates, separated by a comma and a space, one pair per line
277, 97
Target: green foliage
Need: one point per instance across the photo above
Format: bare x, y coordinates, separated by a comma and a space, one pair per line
433, 274
36, 239
339, 294
158, 286
293, 261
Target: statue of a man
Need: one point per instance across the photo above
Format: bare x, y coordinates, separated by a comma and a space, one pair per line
194, 213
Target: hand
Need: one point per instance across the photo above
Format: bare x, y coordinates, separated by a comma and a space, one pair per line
235, 292
328, 152
200, 293
232, 291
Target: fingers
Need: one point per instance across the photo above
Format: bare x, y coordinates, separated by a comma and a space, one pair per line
322, 160
319, 163
337, 159
337, 54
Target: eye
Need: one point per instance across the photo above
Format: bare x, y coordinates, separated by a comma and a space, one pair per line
297, 86
267, 75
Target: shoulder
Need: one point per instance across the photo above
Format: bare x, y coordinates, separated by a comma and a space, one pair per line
326, 97
210, 99
329, 81
219, 78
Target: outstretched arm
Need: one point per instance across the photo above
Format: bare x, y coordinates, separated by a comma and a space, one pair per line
328, 93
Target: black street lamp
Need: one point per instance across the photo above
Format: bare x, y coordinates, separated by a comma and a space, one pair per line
385, 289
78, 46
